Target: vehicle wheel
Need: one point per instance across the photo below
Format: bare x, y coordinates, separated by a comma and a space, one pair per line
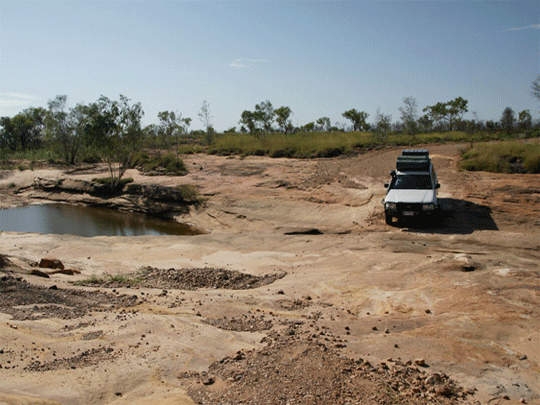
388, 218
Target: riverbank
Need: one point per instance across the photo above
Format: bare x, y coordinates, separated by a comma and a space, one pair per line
458, 299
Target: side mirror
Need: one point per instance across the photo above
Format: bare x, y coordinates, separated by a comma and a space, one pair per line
386, 185
393, 173
438, 185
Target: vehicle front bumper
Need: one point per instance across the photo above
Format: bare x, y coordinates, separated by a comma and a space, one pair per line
409, 209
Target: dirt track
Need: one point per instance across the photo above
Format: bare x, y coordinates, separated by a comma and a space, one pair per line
360, 302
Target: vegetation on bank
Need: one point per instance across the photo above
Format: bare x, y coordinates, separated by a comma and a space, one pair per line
111, 132
330, 144
158, 164
502, 157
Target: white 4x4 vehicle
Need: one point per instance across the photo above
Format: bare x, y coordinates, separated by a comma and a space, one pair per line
413, 189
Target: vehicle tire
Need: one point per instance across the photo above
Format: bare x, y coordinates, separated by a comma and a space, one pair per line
388, 218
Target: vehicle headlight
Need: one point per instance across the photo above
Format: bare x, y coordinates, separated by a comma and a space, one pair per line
428, 207
391, 206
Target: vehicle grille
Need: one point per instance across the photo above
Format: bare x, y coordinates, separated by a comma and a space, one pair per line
409, 206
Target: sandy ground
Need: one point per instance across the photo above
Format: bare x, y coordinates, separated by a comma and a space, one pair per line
460, 296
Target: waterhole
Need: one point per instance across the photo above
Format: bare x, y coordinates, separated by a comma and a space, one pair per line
86, 221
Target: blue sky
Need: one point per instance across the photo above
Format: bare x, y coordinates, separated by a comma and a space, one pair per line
319, 58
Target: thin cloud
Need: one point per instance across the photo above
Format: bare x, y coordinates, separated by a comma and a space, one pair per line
247, 63
9, 101
19, 96
527, 27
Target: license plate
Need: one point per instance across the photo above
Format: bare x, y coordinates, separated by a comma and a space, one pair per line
409, 213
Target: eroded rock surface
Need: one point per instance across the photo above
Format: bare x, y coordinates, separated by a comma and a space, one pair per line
362, 313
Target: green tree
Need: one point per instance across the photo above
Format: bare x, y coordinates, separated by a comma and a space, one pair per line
8, 135
24, 130
114, 131
435, 113
535, 88
324, 124
309, 127
425, 123
204, 115
450, 112
283, 114
409, 115
508, 120
65, 127
357, 118
206, 118
264, 114
383, 123
152, 134
524, 120
247, 120
173, 126
455, 110
491, 126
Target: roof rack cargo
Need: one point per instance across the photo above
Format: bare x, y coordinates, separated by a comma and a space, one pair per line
415, 152
414, 163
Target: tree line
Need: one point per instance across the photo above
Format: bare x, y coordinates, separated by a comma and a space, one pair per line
111, 130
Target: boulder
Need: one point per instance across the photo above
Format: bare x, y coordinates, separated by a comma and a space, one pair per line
51, 263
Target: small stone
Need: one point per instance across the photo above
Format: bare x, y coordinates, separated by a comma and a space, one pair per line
209, 381
433, 379
374, 328
428, 311
39, 273
387, 330
522, 400
420, 362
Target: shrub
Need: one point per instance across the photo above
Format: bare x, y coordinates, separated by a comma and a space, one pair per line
502, 157
139, 159
164, 165
188, 192
108, 183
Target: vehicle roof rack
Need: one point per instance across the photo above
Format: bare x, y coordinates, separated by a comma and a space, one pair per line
415, 152
414, 163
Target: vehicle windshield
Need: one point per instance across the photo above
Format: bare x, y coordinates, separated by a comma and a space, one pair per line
413, 182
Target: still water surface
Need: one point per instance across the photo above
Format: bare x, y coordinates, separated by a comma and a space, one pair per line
85, 221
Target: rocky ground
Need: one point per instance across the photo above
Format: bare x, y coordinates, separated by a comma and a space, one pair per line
296, 292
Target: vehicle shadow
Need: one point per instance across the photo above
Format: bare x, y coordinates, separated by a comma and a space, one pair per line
455, 217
